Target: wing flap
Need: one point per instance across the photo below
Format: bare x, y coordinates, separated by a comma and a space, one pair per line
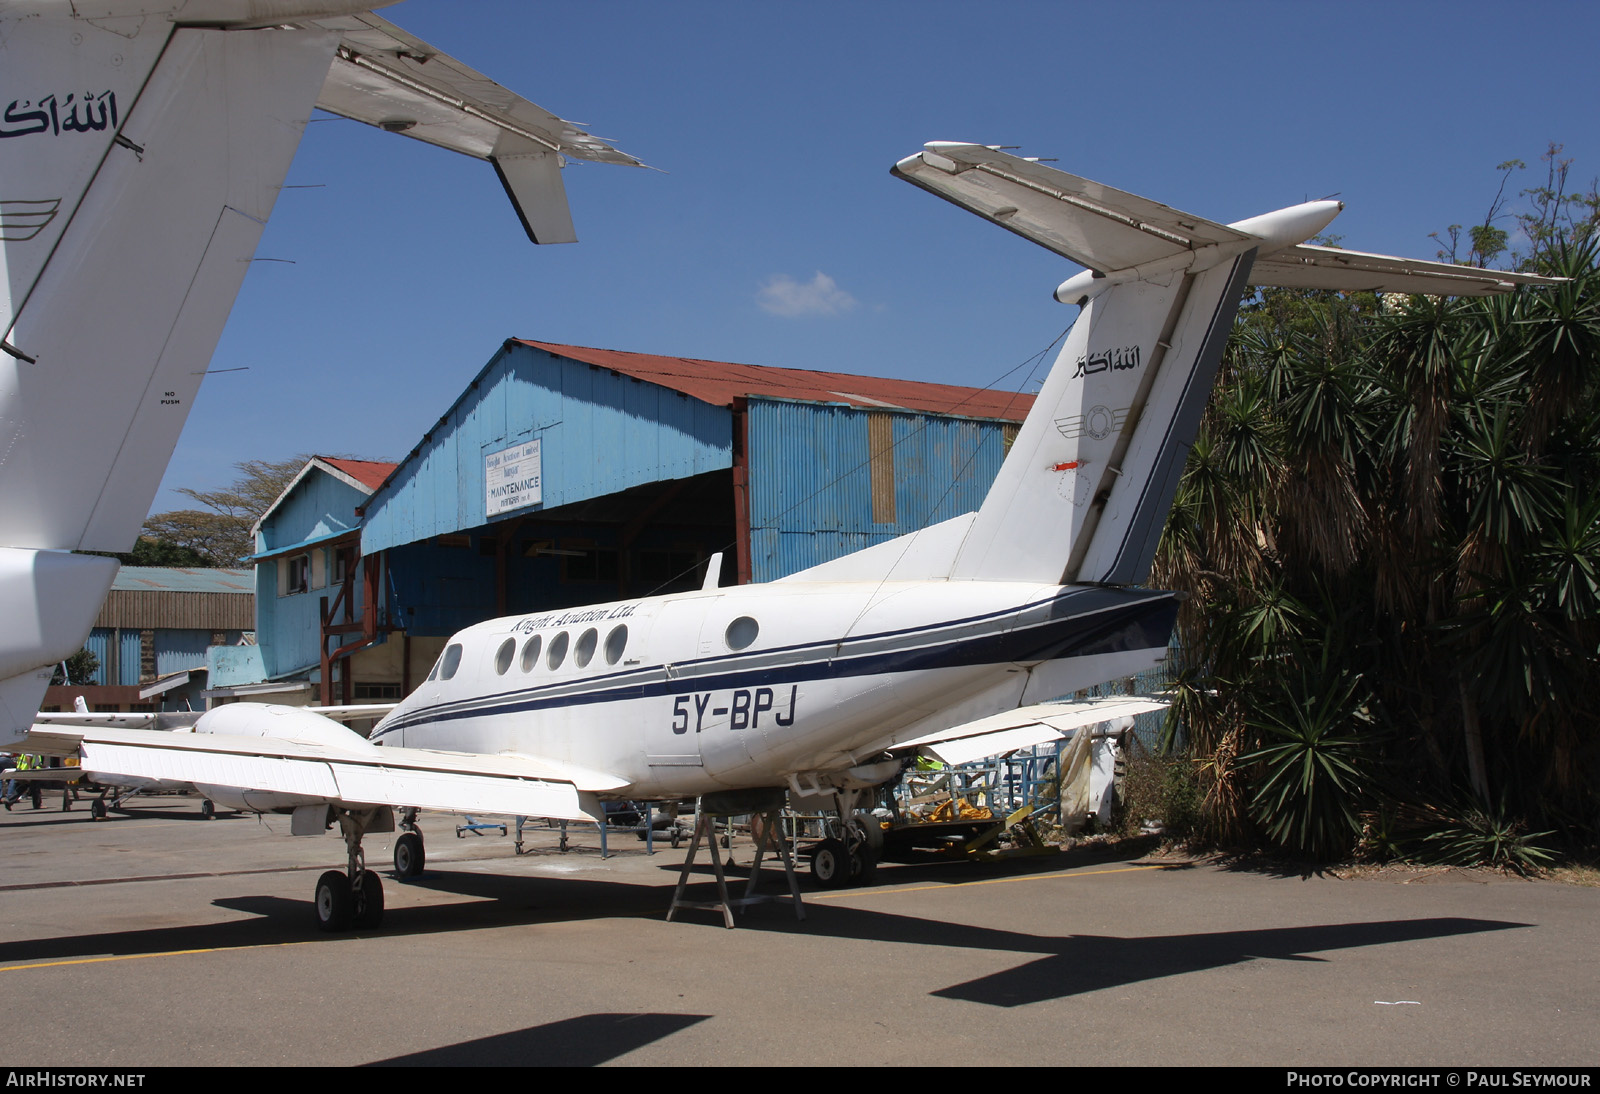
1048, 207
1306, 266
267, 773
448, 781
1026, 726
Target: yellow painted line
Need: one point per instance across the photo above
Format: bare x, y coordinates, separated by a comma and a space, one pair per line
882, 891
165, 953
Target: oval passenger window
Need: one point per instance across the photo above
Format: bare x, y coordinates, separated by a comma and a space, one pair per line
741, 632
450, 661
583, 652
530, 654
616, 642
502, 656
558, 651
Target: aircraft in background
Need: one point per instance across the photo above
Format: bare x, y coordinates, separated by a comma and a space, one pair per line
142, 146
820, 682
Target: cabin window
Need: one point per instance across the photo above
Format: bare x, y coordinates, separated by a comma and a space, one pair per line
741, 632
502, 656
583, 653
616, 642
530, 654
558, 651
450, 661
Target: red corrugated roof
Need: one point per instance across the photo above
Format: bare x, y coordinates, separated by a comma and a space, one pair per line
369, 473
720, 382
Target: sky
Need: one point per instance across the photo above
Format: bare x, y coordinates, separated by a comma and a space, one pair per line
770, 230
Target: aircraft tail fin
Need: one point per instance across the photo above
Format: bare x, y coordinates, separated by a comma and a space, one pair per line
1084, 493
141, 159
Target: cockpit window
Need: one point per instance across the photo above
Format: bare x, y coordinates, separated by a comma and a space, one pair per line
558, 651
616, 642
450, 661
583, 652
741, 632
530, 654
502, 656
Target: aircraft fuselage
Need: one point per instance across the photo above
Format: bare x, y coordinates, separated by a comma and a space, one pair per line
743, 686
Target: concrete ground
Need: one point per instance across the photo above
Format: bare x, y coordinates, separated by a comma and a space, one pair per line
157, 937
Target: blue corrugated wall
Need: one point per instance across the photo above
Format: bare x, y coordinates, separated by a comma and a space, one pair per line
811, 479
600, 432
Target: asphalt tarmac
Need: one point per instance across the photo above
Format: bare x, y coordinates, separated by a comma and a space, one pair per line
156, 937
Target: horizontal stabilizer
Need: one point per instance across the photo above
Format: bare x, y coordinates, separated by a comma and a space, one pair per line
1306, 266
385, 77
1094, 225
1026, 726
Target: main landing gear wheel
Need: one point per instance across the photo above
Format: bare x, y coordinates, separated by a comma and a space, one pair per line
367, 901
208, 809
830, 864
409, 855
863, 866
333, 901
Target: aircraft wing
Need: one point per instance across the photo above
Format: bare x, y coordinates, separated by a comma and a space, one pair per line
1306, 266
390, 79
1025, 726
361, 774
1093, 224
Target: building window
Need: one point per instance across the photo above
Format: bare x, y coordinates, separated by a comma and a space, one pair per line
586, 562
319, 568
294, 574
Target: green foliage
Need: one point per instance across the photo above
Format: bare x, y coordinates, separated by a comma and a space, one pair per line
159, 552
80, 667
220, 532
1156, 788
1314, 766
1481, 837
1392, 547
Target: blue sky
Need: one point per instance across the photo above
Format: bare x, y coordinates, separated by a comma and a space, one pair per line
773, 232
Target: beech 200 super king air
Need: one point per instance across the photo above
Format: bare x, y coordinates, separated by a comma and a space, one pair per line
142, 146
814, 683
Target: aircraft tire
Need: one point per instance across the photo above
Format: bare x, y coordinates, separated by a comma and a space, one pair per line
367, 912
863, 866
830, 864
208, 809
333, 902
409, 855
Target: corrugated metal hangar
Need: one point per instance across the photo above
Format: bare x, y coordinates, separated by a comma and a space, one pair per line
565, 475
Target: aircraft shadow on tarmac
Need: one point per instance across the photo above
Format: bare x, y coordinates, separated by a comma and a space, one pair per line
1066, 965
584, 1041
1079, 964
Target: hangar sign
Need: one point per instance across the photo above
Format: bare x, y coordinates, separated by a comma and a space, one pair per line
511, 479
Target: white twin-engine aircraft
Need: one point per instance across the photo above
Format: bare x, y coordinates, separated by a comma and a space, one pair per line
942, 640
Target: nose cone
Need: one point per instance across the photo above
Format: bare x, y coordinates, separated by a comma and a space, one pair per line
1286, 227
